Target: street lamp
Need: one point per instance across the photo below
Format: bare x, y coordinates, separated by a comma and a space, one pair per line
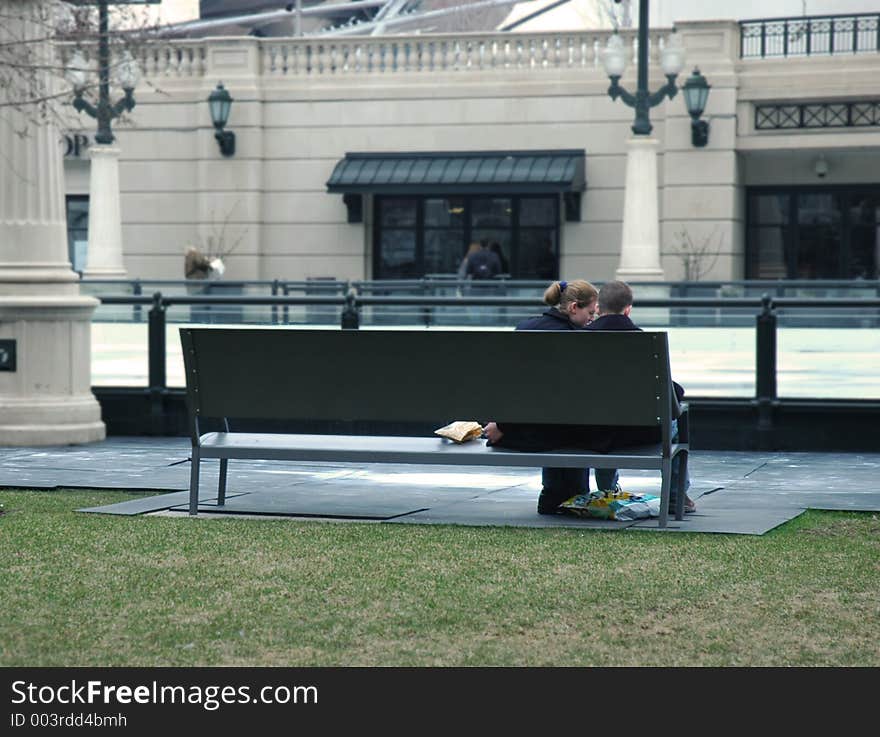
219, 103
127, 73
640, 242
614, 61
104, 256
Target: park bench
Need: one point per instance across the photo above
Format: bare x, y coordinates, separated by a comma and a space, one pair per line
238, 378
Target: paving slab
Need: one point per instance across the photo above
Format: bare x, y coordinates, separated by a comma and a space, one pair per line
146, 505
509, 507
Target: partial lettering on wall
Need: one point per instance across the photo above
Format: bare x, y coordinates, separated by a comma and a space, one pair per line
75, 145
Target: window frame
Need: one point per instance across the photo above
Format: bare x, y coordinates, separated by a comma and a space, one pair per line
791, 227
515, 228
71, 248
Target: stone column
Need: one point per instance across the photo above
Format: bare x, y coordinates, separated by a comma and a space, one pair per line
47, 399
640, 245
104, 258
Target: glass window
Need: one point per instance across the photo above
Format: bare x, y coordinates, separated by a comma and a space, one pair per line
767, 253
538, 258
831, 233
397, 255
77, 231
769, 209
537, 211
819, 236
418, 236
443, 251
398, 212
444, 212
818, 209
864, 252
864, 244
491, 212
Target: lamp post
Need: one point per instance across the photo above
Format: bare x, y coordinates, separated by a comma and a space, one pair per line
105, 224
640, 243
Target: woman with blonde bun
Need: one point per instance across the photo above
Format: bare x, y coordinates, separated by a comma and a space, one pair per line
572, 306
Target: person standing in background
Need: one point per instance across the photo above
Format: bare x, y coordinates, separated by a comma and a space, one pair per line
483, 263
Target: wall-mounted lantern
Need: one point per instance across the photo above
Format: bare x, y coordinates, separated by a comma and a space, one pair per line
220, 102
696, 93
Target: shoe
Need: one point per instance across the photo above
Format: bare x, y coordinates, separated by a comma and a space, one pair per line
547, 505
689, 506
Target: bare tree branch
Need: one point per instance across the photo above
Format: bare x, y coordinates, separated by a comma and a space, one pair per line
37, 40
697, 259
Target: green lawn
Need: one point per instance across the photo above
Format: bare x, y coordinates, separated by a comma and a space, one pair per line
94, 590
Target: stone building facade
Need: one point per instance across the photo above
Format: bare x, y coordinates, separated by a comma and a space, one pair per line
787, 187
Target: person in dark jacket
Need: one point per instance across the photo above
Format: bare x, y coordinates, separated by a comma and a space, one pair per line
572, 306
495, 247
615, 308
484, 264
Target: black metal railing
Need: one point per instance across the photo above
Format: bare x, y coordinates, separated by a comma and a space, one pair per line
764, 313
855, 33
229, 300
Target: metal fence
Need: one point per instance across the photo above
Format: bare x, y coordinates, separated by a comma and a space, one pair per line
763, 314
438, 301
810, 36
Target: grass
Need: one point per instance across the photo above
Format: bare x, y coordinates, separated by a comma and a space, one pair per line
95, 590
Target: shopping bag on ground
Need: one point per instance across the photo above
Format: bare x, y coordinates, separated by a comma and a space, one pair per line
613, 505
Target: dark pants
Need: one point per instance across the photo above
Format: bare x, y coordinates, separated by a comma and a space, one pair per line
563, 483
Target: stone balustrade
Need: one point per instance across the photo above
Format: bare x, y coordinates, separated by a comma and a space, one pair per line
439, 53
315, 55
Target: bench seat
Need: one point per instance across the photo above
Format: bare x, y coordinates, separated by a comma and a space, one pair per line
423, 451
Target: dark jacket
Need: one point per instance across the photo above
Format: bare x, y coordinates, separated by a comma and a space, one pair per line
484, 264
613, 322
552, 319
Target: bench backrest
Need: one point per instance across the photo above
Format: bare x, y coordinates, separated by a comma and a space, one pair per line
619, 378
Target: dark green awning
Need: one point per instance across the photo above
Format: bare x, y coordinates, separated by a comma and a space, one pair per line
460, 172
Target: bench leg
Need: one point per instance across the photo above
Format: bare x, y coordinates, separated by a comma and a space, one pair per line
194, 483
665, 488
681, 462
221, 489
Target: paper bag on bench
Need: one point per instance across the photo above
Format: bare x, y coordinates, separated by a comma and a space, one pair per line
460, 431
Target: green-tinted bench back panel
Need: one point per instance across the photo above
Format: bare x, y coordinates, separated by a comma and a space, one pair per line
418, 376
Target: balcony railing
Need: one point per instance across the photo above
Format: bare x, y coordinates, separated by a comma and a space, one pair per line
440, 53
810, 36
383, 55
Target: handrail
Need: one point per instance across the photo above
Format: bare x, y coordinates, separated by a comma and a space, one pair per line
765, 320
475, 301
452, 282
